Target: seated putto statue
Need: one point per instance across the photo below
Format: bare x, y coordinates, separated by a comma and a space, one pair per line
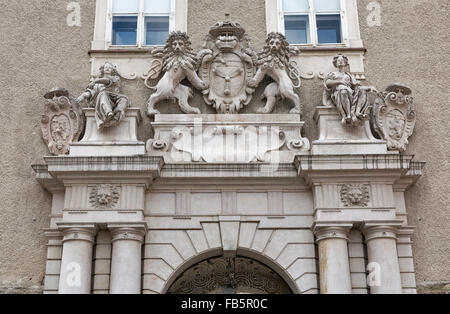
274, 61
103, 92
341, 89
179, 62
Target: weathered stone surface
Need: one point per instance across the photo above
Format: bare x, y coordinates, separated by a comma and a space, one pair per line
433, 287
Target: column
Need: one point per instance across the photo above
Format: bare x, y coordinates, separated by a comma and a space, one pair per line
333, 259
76, 263
384, 271
126, 263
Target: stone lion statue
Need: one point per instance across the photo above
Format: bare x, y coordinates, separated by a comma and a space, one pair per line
274, 61
178, 62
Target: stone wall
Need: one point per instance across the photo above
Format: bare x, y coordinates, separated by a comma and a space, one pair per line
40, 51
411, 46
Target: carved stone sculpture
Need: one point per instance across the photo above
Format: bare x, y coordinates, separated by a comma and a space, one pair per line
179, 62
62, 122
103, 93
226, 65
341, 89
274, 61
394, 117
229, 276
104, 196
355, 195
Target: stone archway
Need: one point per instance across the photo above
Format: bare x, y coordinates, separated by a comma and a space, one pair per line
236, 275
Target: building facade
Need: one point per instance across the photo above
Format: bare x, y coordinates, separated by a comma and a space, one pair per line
224, 147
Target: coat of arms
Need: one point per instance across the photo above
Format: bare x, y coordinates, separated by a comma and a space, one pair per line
62, 122
394, 116
226, 66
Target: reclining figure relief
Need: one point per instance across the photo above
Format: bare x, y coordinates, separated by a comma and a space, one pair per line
342, 90
178, 62
274, 61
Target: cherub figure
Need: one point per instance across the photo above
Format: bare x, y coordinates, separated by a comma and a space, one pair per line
179, 62
104, 93
274, 61
341, 89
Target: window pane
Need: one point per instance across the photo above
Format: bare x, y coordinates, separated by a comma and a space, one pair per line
329, 29
124, 30
157, 6
125, 6
295, 5
297, 29
327, 5
156, 30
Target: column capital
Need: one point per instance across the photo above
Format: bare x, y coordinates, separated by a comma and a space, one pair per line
372, 232
130, 232
78, 232
331, 231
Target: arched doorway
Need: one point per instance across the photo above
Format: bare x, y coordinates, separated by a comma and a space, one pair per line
238, 275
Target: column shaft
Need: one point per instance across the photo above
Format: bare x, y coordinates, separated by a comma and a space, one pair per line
126, 261
384, 270
333, 260
76, 263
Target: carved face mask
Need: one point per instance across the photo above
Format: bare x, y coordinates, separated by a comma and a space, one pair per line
178, 46
274, 44
103, 196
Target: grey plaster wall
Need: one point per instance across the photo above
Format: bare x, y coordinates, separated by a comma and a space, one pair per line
412, 46
39, 51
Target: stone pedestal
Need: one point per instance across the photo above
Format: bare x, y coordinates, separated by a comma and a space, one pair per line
119, 140
126, 259
383, 260
333, 259
338, 139
76, 264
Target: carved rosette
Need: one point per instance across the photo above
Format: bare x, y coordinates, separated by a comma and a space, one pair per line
226, 66
62, 122
394, 117
354, 195
104, 196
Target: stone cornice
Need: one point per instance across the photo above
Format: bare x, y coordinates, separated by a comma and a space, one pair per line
400, 170
411, 177
387, 168
140, 168
236, 170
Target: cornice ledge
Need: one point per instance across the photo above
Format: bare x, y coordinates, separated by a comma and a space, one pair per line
411, 177
382, 162
229, 170
49, 183
105, 164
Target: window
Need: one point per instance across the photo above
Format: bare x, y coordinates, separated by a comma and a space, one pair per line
140, 22
313, 22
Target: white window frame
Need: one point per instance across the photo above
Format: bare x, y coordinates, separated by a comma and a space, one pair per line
313, 24
140, 38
